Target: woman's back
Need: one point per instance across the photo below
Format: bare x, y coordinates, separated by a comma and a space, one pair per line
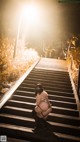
42, 101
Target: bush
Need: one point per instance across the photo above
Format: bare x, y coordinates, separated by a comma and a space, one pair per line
12, 68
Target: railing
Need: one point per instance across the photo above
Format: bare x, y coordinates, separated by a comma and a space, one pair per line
78, 86
9, 93
75, 80
75, 71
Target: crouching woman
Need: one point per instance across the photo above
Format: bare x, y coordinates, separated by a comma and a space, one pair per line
43, 106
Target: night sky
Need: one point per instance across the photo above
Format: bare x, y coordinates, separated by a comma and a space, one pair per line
67, 15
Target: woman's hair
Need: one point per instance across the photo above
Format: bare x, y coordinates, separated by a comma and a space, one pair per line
38, 89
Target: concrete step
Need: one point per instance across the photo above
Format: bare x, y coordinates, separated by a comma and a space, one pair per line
51, 87
27, 133
55, 109
51, 97
55, 80
58, 118
12, 129
56, 127
52, 77
54, 103
67, 138
51, 74
9, 139
32, 94
59, 103
63, 73
21, 111
52, 92
47, 83
63, 123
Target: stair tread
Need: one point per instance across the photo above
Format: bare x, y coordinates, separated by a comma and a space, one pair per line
58, 103
65, 116
65, 108
16, 140
32, 120
29, 110
49, 71
52, 81
17, 108
15, 127
49, 99
16, 117
33, 104
52, 100
28, 133
64, 125
48, 96
16, 114
25, 92
67, 136
53, 86
52, 114
21, 102
54, 124
46, 90
47, 83
62, 108
53, 97
53, 77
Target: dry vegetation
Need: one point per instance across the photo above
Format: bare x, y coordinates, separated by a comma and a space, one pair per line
75, 54
11, 69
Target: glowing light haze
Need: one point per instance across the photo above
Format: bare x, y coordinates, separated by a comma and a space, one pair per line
33, 20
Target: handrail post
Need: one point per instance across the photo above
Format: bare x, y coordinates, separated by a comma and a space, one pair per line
78, 88
71, 62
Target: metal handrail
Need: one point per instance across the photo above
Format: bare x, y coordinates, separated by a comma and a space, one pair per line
78, 74
78, 86
9, 93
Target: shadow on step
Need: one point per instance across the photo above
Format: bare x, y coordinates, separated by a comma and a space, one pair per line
44, 133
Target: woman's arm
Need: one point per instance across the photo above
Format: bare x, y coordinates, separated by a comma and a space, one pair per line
45, 114
49, 110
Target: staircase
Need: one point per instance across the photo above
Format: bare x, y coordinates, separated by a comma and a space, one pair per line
16, 119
